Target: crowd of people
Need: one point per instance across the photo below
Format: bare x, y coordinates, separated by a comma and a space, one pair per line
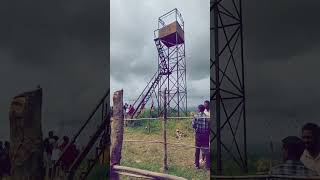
301, 156
53, 151
5, 165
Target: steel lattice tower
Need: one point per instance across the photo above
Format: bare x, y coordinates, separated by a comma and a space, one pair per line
171, 73
171, 63
228, 132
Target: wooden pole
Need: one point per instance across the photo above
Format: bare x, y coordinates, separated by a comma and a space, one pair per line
164, 127
149, 120
116, 132
26, 151
154, 175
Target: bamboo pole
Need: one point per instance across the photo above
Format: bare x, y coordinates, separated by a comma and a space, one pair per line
116, 132
134, 175
256, 177
164, 127
154, 175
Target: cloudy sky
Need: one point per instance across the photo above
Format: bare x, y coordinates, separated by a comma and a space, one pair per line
282, 50
61, 45
133, 52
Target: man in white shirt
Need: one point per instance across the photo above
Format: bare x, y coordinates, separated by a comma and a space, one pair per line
207, 108
207, 113
311, 155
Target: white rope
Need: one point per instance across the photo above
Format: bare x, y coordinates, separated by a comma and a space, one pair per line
139, 119
161, 142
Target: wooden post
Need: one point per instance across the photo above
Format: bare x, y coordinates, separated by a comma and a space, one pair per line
26, 149
116, 132
164, 127
149, 125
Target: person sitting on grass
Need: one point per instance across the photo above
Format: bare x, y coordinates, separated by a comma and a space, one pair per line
293, 148
200, 124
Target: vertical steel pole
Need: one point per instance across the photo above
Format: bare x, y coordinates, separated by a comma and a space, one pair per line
177, 53
185, 71
169, 90
243, 99
216, 51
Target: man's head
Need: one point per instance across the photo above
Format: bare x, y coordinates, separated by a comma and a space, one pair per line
310, 136
18, 107
66, 139
7, 144
50, 133
201, 108
293, 148
207, 104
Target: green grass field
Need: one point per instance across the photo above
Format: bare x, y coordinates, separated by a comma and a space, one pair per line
149, 156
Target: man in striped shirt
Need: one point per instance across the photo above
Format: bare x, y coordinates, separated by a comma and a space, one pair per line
292, 150
200, 124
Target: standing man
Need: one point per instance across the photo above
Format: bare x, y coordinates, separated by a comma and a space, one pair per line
7, 163
311, 155
1, 159
206, 112
125, 107
207, 107
200, 124
293, 148
49, 142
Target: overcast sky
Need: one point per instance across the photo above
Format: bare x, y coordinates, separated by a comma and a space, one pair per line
134, 54
60, 45
282, 50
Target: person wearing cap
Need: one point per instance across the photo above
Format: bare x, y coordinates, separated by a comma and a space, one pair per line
311, 138
293, 148
200, 124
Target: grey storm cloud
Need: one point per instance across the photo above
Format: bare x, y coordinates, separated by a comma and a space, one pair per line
281, 54
63, 47
134, 54
280, 28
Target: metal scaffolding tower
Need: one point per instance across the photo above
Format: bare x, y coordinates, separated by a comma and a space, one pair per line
171, 73
227, 84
